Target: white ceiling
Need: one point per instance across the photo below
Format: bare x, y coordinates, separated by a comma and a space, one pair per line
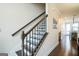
67, 9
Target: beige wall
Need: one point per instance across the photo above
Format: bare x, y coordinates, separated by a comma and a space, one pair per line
52, 39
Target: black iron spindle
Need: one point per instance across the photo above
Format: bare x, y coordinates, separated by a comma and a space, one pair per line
37, 35
32, 42
22, 36
26, 44
45, 25
29, 43
39, 30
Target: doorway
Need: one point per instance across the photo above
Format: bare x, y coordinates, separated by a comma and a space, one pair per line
69, 37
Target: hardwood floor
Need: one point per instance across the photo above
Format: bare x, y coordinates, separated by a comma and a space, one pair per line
62, 51
57, 51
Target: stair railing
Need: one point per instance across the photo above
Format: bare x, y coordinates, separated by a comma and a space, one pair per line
28, 38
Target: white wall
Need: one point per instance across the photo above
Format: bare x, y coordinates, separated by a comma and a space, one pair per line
51, 40
12, 17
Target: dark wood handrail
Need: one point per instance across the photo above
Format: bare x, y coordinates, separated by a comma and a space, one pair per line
35, 25
27, 24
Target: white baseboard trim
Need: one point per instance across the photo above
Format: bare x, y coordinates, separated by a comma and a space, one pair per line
55, 45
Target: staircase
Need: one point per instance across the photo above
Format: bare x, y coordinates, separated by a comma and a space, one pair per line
33, 39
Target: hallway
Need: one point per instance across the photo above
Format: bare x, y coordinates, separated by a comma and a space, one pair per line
61, 51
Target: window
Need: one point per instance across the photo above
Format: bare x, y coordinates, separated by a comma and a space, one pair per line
67, 28
75, 27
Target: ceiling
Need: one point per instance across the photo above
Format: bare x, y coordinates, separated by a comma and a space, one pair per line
67, 9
